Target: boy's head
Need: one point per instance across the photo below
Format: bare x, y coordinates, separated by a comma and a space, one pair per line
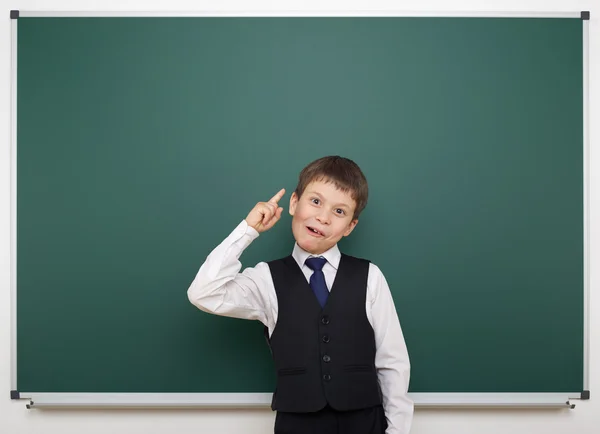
330, 195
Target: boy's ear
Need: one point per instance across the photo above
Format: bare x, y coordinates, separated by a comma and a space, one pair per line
351, 227
293, 203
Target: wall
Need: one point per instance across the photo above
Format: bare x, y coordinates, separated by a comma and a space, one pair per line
15, 418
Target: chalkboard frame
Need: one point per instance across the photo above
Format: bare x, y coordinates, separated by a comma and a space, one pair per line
262, 400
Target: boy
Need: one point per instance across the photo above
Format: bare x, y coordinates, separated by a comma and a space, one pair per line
342, 365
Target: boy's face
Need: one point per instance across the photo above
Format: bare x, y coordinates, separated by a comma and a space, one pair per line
321, 216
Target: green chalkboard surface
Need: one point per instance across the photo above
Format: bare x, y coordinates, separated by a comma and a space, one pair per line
142, 142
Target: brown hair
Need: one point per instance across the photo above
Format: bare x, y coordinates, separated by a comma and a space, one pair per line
345, 175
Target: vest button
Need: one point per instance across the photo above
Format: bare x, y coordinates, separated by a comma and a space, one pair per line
325, 320
327, 377
326, 339
326, 358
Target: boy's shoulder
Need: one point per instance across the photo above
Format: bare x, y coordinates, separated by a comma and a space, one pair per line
374, 270
354, 262
354, 258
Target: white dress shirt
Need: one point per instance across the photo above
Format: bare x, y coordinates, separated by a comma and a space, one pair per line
221, 289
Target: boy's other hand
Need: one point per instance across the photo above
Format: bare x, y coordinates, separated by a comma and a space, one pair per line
265, 214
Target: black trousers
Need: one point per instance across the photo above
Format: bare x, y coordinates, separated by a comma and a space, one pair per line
329, 421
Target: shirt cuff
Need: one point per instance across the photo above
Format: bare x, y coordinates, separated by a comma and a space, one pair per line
250, 231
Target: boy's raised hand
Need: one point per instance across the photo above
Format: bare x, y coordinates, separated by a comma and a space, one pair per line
264, 215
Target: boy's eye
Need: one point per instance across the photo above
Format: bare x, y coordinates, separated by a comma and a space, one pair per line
315, 201
340, 211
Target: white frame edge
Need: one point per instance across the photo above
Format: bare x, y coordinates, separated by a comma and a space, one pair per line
299, 13
263, 400
13, 205
586, 207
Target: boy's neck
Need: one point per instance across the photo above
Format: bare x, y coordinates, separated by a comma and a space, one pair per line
333, 255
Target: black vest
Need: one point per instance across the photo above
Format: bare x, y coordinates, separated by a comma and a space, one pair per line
323, 356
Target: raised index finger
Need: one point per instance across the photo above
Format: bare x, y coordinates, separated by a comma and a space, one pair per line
278, 196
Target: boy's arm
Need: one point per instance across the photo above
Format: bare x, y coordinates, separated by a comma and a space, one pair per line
221, 289
391, 359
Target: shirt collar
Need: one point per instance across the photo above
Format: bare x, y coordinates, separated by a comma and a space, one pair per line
332, 255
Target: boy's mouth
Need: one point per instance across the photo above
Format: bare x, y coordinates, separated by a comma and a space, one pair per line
315, 231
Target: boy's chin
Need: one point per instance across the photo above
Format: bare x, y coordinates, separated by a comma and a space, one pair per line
312, 247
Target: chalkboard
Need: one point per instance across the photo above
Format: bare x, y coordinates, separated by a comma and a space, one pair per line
143, 141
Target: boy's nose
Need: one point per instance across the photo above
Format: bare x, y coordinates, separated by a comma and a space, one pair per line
323, 218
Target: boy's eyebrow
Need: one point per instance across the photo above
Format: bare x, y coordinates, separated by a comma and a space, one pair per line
341, 204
